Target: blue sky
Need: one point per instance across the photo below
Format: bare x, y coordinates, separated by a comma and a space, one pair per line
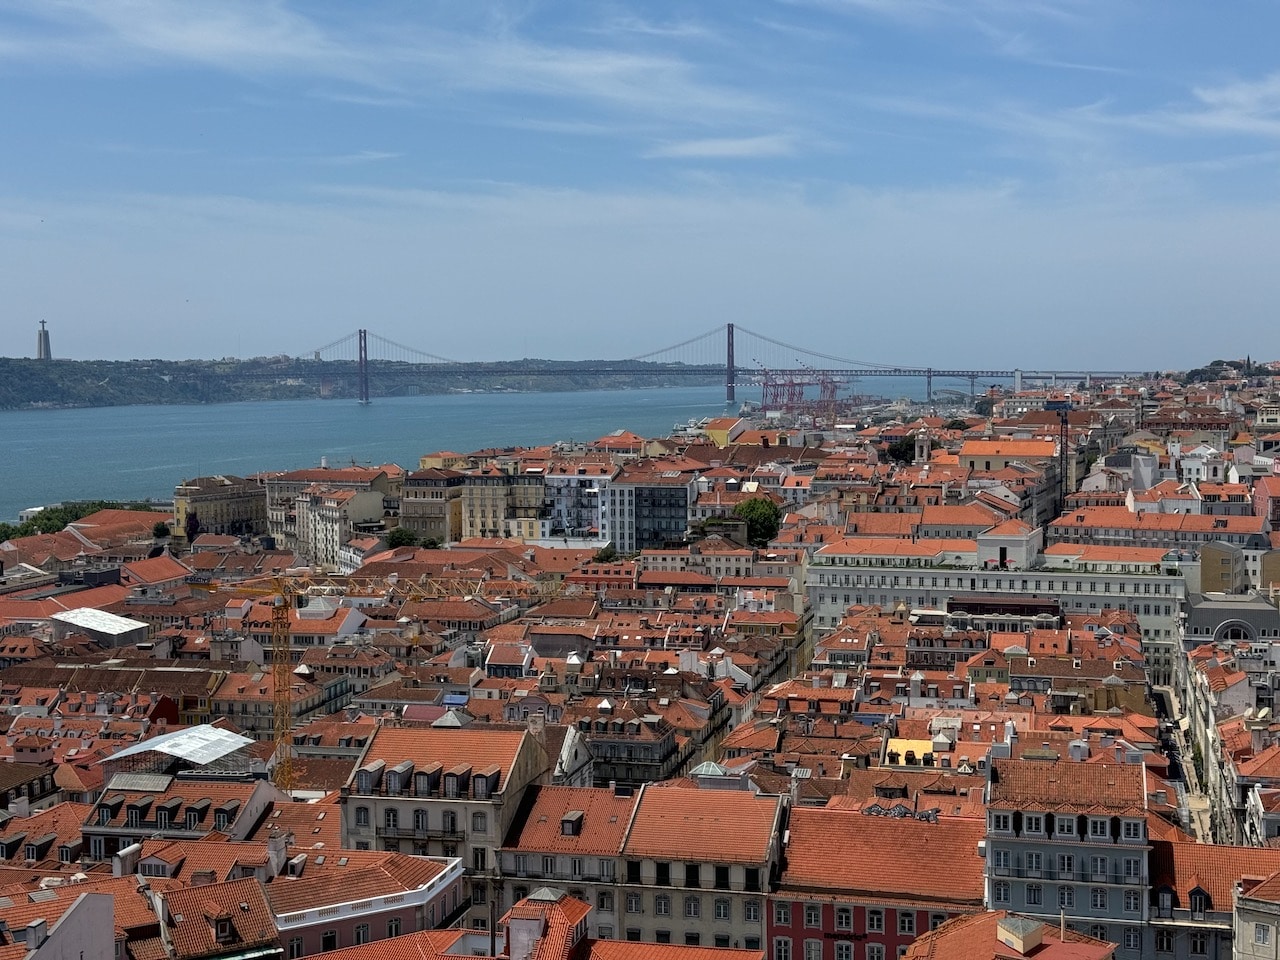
1003, 182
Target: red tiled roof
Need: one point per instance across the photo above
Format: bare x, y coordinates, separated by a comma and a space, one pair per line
851, 853
708, 825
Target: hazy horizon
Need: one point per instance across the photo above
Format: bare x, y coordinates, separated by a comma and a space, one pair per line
963, 183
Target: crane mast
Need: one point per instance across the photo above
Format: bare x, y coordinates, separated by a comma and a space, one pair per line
282, 687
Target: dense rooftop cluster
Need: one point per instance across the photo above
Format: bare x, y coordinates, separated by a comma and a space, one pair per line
992, 686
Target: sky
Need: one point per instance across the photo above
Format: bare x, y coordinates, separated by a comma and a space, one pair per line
1033, 183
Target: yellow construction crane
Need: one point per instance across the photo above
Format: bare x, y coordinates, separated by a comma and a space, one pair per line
283, 593
282, 685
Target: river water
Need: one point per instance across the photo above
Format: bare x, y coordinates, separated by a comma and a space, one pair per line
123, 453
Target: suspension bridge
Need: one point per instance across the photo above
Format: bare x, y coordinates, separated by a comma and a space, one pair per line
728, 353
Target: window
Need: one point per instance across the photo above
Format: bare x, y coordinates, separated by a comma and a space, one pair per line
1098, 867
1000, 891
1099, 828
1133, 829
875, 951
1066, 865
329, 940
722, 908
548, 866
1262, 933
1098, 931
844, 918
362, 933
906, 923
1098, 899
1199, 944
753, 879
633, 871
936, 920
663, 874
751, 911
1066, 897
1033, 864
391, 818
875, 921
722, 940
1199, 904
1164, 941
1000, 860
1066, 826
813, 950
662, 936
575, 868
479, 823
1132, 938
604, 901
692, 907
1132, 869
781, 948
480, 858
633, 903
295, 948
812, 915
1001, 822
782, 917
393, 927
692, 939
605, 931
844, 950
420, 820
1033, 823
662, 905
722, 878
1132, 901
633, 934
1035, 894
691, 875
362, 816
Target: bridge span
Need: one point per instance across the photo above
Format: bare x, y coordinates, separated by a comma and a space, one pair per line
782, 371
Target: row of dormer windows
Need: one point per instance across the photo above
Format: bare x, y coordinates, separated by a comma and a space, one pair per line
1067, 826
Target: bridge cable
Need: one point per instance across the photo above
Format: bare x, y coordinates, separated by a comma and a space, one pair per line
718, 331
400, 346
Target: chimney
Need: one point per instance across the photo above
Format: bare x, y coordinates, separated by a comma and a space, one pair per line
37, 934
125, 863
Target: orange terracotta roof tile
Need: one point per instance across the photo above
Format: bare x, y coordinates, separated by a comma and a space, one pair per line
695, 825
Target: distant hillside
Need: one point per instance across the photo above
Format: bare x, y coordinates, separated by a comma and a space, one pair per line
26, 384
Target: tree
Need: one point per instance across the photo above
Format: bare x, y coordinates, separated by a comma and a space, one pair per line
984, 406
402, 537
192, 527
904, 450
955, 424
606, 554
160, 531
762, 516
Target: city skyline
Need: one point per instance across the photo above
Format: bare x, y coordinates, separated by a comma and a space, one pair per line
591, 181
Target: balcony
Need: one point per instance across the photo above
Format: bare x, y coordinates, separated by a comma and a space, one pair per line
411, 833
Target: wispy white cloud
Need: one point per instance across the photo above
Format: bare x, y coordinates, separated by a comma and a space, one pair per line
361, 156
398, 64
767, 145
363, 99
677, 30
